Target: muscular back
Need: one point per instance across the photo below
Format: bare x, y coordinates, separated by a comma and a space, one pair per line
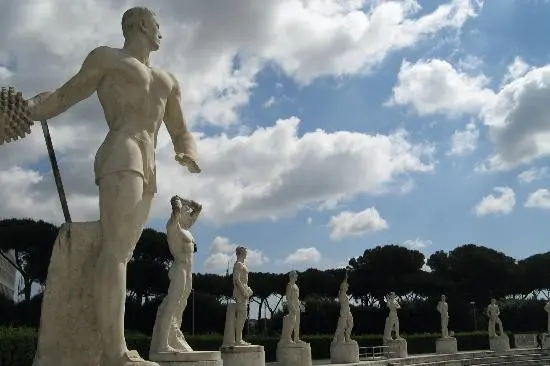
133, 95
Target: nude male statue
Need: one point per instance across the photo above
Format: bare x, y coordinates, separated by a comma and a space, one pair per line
167, 336
392, 320
443, 309
241, 293
345, 321
493, 313
135, 98
291, 322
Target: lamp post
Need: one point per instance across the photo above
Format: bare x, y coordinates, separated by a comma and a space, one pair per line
473, 303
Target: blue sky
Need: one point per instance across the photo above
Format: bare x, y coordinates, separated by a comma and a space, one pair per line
464, 71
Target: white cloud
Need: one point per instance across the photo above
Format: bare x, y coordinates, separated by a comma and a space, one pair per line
464, 142
241, 179
435, 86
309, 220
268, 103
348, 223
539, 199
497, 204
532, 174
417, 243
304, 256
516, 69
222, 255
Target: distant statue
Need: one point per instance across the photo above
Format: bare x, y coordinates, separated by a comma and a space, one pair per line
345, 321
392, 321
493, 312
443, 309
547, 309
291, 322
167, 336
237, 313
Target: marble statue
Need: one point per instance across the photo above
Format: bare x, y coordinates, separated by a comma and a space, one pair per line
345, 321
136, 98
547, 309
493, 313
167, 336
443, 309
291, 322
392, 321
343, 349
236, 318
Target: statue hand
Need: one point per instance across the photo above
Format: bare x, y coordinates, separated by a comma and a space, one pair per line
187, 161
36, 100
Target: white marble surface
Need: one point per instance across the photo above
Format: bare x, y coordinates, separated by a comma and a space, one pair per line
294, 354
251, 355
290, 334
499, 343
447, 345
194, 358
392, 320
398, 347
347, 352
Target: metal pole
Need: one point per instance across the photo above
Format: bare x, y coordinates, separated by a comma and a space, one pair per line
55, 170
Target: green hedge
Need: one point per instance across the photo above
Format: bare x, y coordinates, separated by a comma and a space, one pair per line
17, 345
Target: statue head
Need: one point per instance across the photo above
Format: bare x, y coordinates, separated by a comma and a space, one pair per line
176, 204
140, 22
293, 276
443, 297
241, 252
493, 301
182, 210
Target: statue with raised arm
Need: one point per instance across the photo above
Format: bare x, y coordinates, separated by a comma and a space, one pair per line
493, 312
237, 313
443, 309
392, 320
345, 321
167, 336
136, 98
291, 322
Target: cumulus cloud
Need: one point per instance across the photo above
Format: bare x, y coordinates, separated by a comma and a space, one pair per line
539, 199
435, 86
217, 60
222, 254
516, 69
532, 174
303, 256
417, 243
348, 223
501, 203
464, 142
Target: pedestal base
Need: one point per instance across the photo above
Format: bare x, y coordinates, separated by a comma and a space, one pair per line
68, 332
243, 355
546, 341
398, 348
499, 343
196, 358
446, 346
347, 352
294, 354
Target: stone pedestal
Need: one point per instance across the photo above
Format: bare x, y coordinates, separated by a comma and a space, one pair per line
68, 333
499, 343
546, 341
196, 358
446, 346
294, 354
243, 355
344, 352
397, 348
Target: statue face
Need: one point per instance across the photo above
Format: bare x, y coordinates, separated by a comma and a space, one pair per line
443, 298
152, 31
493, 301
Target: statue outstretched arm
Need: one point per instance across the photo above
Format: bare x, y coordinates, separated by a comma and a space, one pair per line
185, 146
79, 87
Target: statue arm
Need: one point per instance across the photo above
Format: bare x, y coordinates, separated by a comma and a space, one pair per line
176, 124
78, 88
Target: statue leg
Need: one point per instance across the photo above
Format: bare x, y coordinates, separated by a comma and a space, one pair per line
396, 327
124, 209
339, 334
240, 321
491, 329
176, 338
387, 328
286, 332
444, 327
349, 327
168, 316
297, 328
